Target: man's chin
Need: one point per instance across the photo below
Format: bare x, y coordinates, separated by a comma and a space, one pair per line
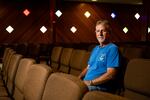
101, 41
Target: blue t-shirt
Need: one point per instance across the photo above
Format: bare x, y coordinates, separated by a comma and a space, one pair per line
102, 58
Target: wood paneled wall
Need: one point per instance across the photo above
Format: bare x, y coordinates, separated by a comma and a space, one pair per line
27, 28
73, 15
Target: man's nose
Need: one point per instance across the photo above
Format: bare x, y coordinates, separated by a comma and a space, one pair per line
101, 33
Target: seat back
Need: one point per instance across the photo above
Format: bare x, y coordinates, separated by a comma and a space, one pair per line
55, 57
85, 59
6, 51
76, 61
65, 59
5, 54
13, 66
6, 67
23, 68
61, 86
99, 95
6, 59
35, 82
133, 52
137, 79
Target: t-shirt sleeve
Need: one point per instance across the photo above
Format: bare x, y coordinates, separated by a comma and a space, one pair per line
113, 57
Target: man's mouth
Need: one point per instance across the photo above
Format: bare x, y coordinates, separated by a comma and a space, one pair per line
100, 37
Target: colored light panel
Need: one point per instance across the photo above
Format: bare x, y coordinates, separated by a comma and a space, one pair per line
26, 12
87, 14
9, 29
43, 29
125, 29
113, 15
137, 16
58, 13
73, 29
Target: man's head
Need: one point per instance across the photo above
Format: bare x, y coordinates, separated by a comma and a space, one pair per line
103, 30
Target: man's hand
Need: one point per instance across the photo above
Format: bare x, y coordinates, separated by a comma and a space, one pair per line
87, 82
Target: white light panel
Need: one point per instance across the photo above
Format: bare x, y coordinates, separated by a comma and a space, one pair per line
87, 14
137, 16
43, 29
125, 29
73, 29
9, 29
58, 13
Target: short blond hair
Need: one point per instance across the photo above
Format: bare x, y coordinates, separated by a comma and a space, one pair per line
106, 23
103, 21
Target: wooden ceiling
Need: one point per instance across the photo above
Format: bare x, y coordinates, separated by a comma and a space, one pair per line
133, 2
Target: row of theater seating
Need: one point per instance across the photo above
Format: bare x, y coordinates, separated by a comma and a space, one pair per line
37, 51
23, 79
68, 60
72, 61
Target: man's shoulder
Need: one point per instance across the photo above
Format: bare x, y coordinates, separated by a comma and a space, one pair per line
112, 45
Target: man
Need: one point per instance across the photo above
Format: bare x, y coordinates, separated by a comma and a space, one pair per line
103, 62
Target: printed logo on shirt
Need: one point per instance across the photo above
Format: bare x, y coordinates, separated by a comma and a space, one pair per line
102, 57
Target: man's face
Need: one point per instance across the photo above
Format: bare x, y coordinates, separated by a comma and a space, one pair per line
102, 33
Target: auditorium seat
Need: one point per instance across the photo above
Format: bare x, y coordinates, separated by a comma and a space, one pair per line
45, 50
98, 95
6, 58
9, 79
23, 68
12, 72
65, 59
5, 54
3, 91
5, 66
55, 57
84, 62
90, 48
136, 81
76, 61
35, 82
5, 98
3, 60
133, 52
62, 86
121, 49
8, 66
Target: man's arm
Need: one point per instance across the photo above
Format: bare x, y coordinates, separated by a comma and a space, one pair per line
82, 74
109, 75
